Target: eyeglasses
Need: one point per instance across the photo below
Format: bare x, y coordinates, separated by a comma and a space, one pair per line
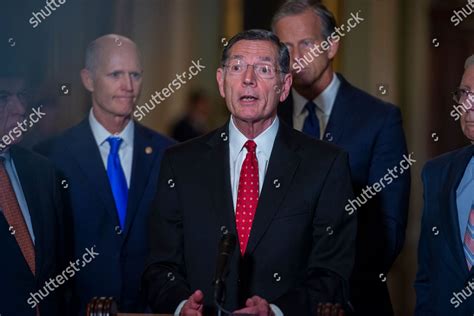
264, 71
461, 95
6, 96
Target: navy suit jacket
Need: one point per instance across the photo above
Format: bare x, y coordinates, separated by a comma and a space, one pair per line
442, 267
117, 269
370, 130
42, 193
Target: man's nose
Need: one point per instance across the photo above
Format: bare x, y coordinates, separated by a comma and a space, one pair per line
127, 83
250, 77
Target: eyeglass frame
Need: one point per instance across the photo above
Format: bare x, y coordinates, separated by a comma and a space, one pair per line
243, 63
23, 96
468, 93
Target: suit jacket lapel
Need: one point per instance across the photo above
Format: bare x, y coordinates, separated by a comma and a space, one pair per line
144, 157
339, 112
220, 185
86, 153
450, 216
32, 192
282, 166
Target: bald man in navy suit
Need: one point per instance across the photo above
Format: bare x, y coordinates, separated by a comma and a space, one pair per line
111, 165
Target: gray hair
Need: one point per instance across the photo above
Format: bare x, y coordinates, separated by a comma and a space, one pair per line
260, 35
469, 62
294, 7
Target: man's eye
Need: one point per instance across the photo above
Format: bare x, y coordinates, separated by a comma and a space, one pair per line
265, 69
136, 75
23, 95
235, 67
308, 43
115, 74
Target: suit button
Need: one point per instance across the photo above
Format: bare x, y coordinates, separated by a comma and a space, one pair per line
276, 277
170, 276
118, 230
171, 183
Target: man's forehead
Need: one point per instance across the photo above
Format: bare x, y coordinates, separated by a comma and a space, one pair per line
258, 49
11, 84
112, 54
468, 77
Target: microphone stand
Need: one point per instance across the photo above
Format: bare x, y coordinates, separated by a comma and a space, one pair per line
219, 296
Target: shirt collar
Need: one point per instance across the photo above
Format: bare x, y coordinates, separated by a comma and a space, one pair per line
101, 134
467, 178
324, 101
6, 155
264, 141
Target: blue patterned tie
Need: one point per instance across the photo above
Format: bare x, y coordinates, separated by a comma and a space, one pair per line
311, 123
469, 239
117, 179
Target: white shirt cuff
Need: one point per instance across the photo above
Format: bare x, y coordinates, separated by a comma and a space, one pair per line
180, 307
276, 310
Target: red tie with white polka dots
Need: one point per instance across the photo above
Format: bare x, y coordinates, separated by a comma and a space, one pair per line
247, 195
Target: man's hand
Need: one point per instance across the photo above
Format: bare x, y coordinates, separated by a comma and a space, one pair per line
193, 306
256, 306
329, 309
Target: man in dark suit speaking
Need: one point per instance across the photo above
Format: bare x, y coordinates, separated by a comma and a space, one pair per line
326, 106
281, 192
445, 279
111, 165
31, 214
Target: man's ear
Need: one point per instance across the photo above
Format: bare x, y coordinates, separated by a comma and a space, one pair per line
333, 48
220, 81
87, 79
284, 89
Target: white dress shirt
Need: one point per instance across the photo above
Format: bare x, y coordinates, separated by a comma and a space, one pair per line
126, 147
324, 104
237, 153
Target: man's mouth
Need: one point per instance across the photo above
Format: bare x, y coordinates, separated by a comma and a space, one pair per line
248, 98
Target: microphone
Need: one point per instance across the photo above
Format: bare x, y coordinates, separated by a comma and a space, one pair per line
226, 249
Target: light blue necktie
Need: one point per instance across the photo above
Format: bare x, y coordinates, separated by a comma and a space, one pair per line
117, 179
311, 123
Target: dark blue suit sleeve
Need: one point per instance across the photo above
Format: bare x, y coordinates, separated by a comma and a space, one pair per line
423, 282
390, 148
164, 281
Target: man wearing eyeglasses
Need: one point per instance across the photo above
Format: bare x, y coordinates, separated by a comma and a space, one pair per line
31, 215
445, 279
279, 191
